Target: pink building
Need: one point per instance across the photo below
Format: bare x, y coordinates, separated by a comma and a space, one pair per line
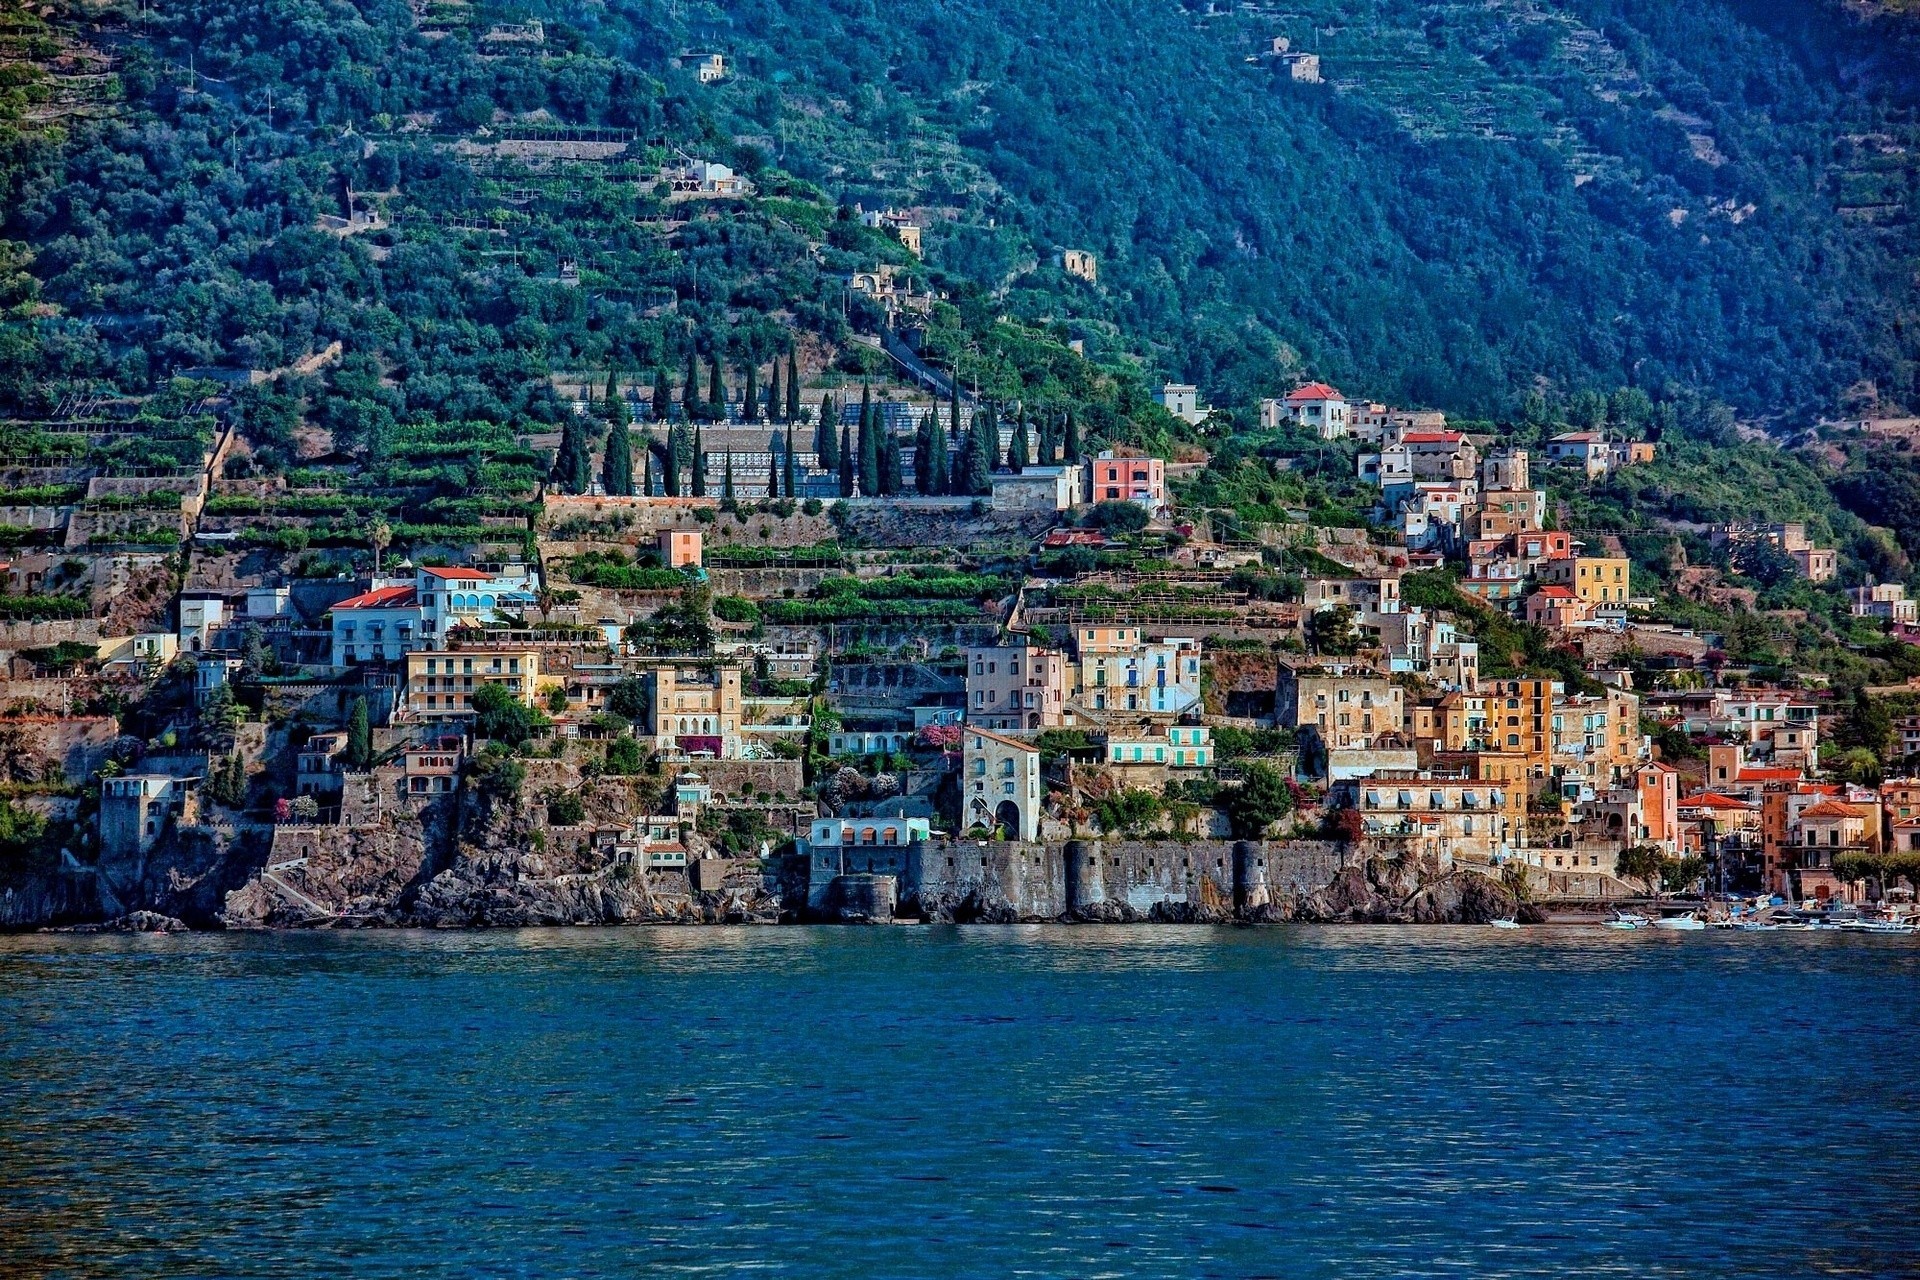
1017, 688
1114, 477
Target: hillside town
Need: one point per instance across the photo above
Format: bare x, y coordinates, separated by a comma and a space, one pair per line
838, 649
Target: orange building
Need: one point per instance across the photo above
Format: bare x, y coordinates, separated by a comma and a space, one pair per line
1116, 477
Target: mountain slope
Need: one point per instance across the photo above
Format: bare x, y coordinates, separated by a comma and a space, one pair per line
1590, 192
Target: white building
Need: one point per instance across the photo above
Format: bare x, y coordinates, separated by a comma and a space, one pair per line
1319, 408
1000, 784
1182, 400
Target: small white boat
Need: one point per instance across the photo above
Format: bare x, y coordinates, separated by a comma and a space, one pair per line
1504, 924
1624, 922
1685, 924
1897, 928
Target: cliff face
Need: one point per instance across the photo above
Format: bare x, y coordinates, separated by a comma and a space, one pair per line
469, 861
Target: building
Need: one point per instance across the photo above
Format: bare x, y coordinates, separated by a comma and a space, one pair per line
1816, 564
202, 613
1588, 450
1884, 600
1452, 818
868, 742
833, 834
1318, 408
1347, 707
1362, 595
381, 625
680, 548
1000, 784
694, 709
321, 768
1038, 488
1178, 747
441, 683
1018, 688
136, 809
1083, 266
1182, 400
1127, 477
1820, 832
433, 769
903, 226
1118, 670
1598, 581
1658, 786
1557, 608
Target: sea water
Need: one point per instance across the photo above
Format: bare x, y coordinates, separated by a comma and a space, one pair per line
1023, 1101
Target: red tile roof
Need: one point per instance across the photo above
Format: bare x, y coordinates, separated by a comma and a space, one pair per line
1830, 809
384, 598
1432, 437
1556, 593
1713, 800
443, 571
1313, 391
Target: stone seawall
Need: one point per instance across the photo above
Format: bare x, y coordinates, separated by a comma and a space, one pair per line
1201, 880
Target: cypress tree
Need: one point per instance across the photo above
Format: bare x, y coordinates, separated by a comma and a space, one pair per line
690, 407
830, 435
923, 452
613, 391
646, 473
662, 395
776, 399
717, 390
773, 474
700, 465
793, 387
869, 449
792, 477
359, 736
983, 453
750, 402
616, 465
1017, 447
1073, 438
670, 473
891, 481
726, 480
846, 465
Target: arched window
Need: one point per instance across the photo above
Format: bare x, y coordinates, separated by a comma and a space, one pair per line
486, 602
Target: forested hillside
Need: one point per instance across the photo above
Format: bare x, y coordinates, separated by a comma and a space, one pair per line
1475, 202
1478, 196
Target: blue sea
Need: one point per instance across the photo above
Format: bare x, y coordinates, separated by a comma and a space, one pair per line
993, 1102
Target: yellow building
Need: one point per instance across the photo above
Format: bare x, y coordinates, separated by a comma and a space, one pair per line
1598, 580
696, 709
440, 683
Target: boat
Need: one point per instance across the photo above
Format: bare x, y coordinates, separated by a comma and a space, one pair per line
1687, 923
1622, 922
1897, 928
1504, 924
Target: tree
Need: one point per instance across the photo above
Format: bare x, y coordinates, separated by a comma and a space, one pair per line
613, 394
1641, 862
923, 452
891, 479
776, 400
1262, 799
573, 465
699, 465
793, 387
220, 718
1117, 517
846, 465
1073, 438
662, 405
623, 757
629, 699
983, 451
1331, 631
616, 464
773, 474
500, 716
717, 390
792, 472
750, 394
1867, 723
380, 537
726, 480
1017, 447
646, 472
826, 435
359, 752
869, 453
691, 406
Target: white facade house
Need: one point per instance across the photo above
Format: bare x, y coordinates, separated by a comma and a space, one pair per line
1000, 784
1319, 408
1182, 400
393, 620
201, 614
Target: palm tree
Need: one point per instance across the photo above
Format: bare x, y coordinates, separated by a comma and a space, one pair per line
381, 536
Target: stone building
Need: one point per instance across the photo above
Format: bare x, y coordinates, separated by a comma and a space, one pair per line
1000, 784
